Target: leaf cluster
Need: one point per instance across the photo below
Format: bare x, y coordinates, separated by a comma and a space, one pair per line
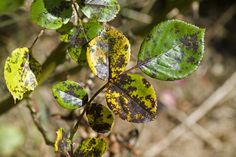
171, 51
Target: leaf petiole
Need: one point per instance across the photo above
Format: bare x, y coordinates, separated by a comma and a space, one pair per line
76, 126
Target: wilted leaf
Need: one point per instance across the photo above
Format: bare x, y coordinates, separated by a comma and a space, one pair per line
132, 98
62, 143
69, 94
108, 54
100, 10
91, 147
50, 14
100, 118
10, 5
20, 72
80, 36
172, 51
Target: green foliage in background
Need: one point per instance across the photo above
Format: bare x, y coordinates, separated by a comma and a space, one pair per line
11, 138
7, 6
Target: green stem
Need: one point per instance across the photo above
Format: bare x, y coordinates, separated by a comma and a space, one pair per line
36, 39
130, 69
80, 20
76, 126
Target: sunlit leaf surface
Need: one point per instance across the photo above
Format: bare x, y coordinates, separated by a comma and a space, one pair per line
50, 14
100, 10
69, 94
172, 50
20, 72
132, 98
108, 54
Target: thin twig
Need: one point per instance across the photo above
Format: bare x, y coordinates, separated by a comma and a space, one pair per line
206, 106
196, 128
80, 20
36, 39
76, 126
130, 69
33, 114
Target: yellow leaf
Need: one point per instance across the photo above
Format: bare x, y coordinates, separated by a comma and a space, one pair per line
132, 98
20, 73
58, 139
108, 54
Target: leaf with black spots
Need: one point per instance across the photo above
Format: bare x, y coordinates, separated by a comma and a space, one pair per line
69, 94
100, 118
172, 50
100, 10
66, 31
21, 72
50, 14
79, 37
62, 143
91, 147
108, 54
132, 98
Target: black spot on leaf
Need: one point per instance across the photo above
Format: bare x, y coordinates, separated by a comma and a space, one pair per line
190, 42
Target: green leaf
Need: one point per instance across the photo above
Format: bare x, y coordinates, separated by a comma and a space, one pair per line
172, 51
10, 5
50, 14
91, 147
21, 71
62, 143
11, 138
102, 10
80, 36
133, 98
69, 94
66, 31
108, 54
100, 118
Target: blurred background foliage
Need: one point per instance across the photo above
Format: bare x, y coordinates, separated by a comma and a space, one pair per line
20, 138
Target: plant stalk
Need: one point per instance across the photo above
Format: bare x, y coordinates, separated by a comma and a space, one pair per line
76, 126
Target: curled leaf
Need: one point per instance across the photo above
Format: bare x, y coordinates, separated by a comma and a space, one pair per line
132, 98
62, 143
69, 94
50, 14
100, 118
172, 50
100, 10
91, 147
108, 54
20, 72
